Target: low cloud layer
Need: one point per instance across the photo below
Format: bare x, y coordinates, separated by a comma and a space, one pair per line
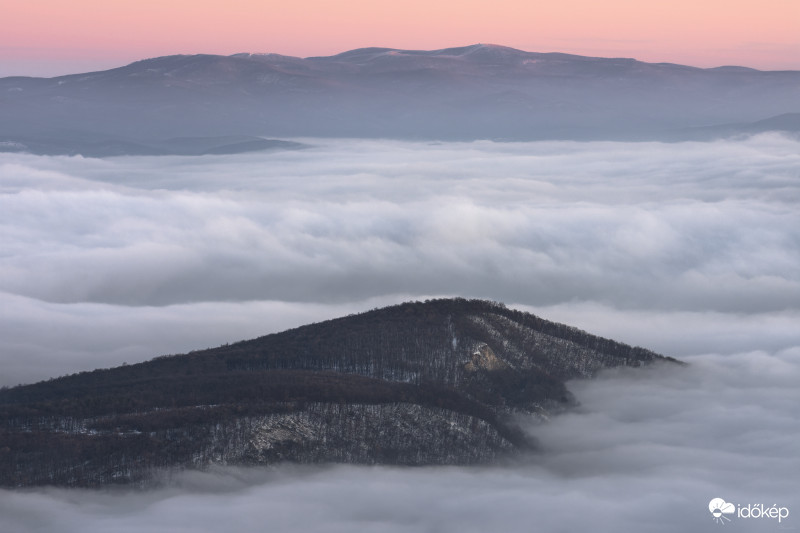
123, 259
689, 249
670, 226
647, 452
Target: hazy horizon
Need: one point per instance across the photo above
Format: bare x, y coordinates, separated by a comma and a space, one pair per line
50, 37
52, 69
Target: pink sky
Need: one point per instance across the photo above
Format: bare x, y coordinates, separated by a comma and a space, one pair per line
52, 37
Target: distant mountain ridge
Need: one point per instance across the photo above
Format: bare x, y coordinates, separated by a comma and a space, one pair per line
94, 146
417, 383
463, 93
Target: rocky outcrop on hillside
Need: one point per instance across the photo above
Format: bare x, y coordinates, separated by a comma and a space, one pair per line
438, 382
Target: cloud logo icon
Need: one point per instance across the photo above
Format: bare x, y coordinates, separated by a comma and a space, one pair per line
719, 508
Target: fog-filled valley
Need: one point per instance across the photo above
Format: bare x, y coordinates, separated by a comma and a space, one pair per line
690, 249
123, 259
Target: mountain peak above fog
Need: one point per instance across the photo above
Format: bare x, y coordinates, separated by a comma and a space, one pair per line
435, 382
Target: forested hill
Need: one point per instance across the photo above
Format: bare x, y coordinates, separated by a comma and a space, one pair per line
416, 383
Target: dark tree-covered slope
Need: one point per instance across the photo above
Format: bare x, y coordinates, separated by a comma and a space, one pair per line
417, 383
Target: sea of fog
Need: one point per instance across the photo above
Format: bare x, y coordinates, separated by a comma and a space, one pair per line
689, 249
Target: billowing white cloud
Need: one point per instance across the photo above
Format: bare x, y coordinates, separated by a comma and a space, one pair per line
690, 249
642, 229
313, 224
